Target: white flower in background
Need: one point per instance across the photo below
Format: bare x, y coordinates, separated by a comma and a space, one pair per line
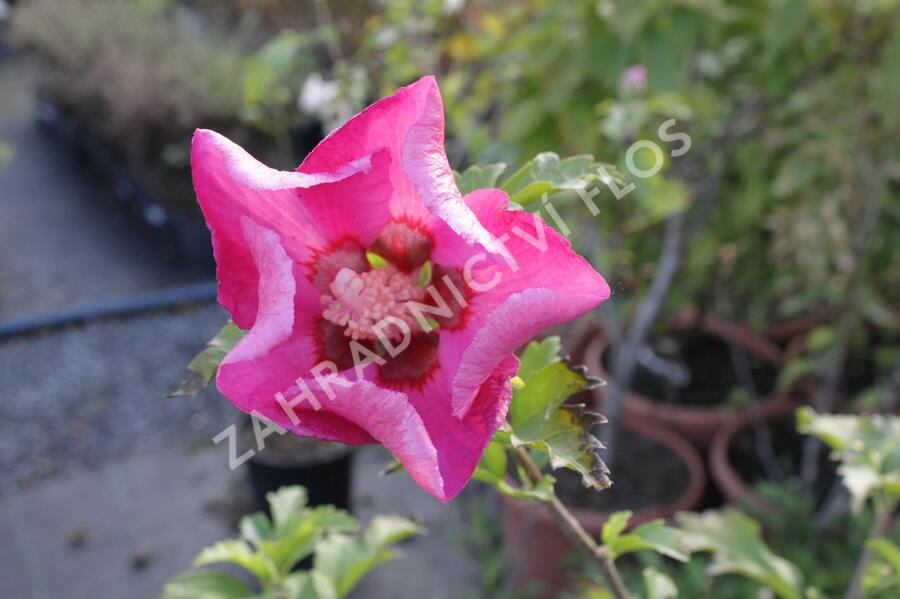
333, 102
318, 94
453, 6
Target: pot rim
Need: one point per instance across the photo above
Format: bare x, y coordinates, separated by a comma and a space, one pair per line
716, 327
723, 473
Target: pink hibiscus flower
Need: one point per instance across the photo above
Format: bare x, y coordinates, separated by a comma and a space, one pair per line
381, 305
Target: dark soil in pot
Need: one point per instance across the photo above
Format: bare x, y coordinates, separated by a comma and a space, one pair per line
787, 445
737, 466
323, 468
646, 474
707, 361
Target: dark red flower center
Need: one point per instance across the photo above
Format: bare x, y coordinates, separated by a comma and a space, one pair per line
386, 294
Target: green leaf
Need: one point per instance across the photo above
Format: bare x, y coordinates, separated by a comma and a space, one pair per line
309, 585
544, 391
539, 354
538, 418
565, 436
549, 174
271, 64
285, 503
887, 550
345, 559
540, 491
614, 526
532, 192
255, 528
737, 548
478, 177
240, 553
654, 536
658, 585
205, 364
295, 539
492, 467
206, 584
867, 447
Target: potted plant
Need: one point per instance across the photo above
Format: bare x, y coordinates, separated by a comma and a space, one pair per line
695, 401
737, 462
324, 469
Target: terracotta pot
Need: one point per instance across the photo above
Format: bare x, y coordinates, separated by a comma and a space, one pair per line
696, 424
536, 545
731, 484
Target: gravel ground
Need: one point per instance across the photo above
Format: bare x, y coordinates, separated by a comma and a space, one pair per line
77, 398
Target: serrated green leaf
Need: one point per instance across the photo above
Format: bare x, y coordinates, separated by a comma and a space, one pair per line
538, 418
204, 366
544, 391
737, 547
478, 177
206, 584
565, 436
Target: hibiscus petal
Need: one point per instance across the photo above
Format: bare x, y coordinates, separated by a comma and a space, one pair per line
309, 211
460, 442
547, 283
281, 348
410, 124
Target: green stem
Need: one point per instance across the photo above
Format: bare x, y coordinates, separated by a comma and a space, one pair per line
570, 526
884, 519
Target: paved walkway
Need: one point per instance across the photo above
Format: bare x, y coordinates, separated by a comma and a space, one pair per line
120, 532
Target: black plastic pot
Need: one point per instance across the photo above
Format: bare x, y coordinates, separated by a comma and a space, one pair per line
327, 482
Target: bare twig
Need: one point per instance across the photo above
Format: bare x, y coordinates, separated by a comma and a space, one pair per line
678, 230
624, 360
573, 530
764, 448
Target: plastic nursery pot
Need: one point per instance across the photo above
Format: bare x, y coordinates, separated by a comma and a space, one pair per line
539, 551
696, 421
323, 468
